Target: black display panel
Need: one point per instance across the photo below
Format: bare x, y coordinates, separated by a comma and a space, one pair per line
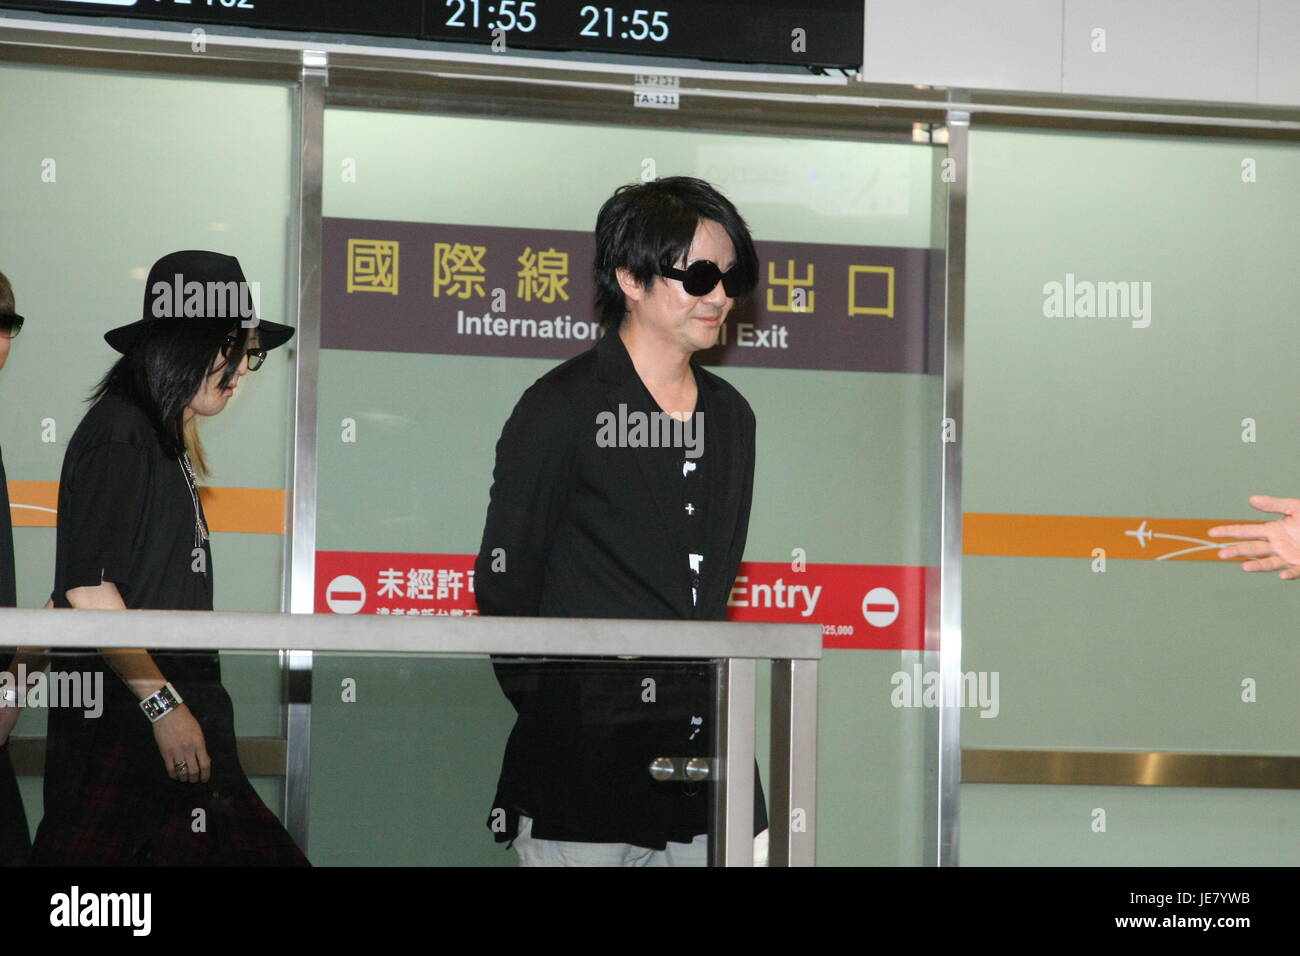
823, 33
828, 33
374, 17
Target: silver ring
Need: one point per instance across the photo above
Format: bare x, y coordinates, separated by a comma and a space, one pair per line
180, 766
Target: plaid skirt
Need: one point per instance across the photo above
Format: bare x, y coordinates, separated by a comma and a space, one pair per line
15, 844
119, 817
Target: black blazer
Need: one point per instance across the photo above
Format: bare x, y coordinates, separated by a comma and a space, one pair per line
587, 531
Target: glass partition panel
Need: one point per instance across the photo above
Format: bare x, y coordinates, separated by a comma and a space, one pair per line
422, 761
1129, 383
457, 257
103, 173
412, 762
93, 773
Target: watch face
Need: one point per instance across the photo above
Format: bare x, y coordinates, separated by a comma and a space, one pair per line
163, 702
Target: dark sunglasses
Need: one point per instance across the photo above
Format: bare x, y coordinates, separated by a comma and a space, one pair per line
255, 356
703, 276
11, 325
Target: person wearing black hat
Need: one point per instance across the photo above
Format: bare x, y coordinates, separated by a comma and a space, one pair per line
124, 787
15, 844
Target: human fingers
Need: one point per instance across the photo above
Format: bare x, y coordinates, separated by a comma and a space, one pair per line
175, 765
1237, 530
1247, 549
204, 763
185, 769
1277, 506
1271, 563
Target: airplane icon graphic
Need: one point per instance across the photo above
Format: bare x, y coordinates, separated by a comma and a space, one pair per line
1145, 534
1142, 534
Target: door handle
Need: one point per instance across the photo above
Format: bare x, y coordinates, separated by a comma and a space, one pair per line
694, 769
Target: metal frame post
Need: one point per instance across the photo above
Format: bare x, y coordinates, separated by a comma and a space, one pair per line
793, 818
944, 813
297, 665
731, 823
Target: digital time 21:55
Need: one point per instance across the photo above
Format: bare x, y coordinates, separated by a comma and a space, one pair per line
598, 22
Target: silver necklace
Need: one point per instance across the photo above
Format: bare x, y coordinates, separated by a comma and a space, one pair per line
200, 526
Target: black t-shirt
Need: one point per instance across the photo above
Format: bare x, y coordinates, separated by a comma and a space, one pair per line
126, 515
8, 578
694, 483
8, 583
695, 495
685, 705
14, 845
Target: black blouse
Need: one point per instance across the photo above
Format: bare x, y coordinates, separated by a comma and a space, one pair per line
8, 584
126, 515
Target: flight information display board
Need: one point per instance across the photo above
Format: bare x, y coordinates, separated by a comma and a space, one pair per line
820, 33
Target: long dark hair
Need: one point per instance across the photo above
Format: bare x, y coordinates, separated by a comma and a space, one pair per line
164, 370
6, 296
647, 225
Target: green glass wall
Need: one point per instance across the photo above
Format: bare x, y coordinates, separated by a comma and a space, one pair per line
841, 469
101, 174
1111, 416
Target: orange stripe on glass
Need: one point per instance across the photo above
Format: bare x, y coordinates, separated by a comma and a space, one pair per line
34, 504
250, 510
1075, 536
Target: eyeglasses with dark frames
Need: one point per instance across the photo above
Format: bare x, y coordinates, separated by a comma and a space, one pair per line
10, 325
255, 356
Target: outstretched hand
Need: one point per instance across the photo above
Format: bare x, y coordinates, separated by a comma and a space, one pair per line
1275, 545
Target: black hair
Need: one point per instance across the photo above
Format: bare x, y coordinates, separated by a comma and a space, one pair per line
163, 371
645, 226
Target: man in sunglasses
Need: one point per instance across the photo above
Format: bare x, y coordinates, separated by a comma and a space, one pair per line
15, 845
589, 521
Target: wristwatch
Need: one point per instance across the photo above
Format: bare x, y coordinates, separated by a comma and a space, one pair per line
161, 703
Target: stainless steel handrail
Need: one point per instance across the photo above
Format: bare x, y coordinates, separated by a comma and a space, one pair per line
793, 649
440, 634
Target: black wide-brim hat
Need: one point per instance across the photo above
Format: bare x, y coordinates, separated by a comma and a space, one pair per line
169, 298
